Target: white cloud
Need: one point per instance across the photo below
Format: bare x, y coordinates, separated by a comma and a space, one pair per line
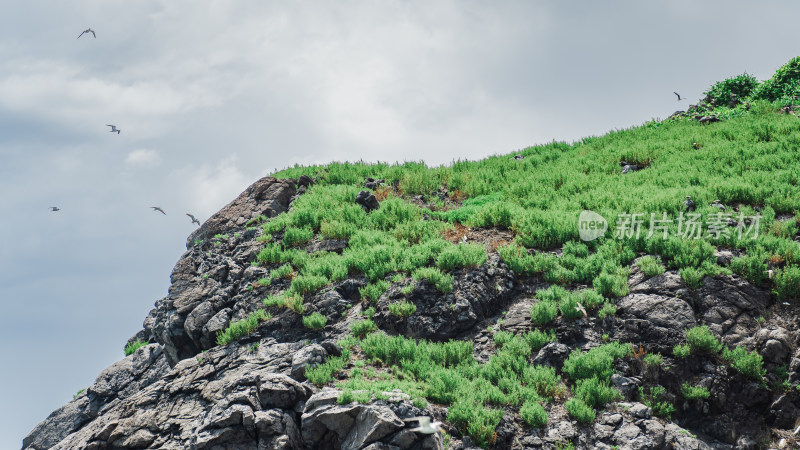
209, 187
143, 158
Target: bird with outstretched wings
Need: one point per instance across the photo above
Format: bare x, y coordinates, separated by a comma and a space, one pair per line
86, 31
156, 208
193, 219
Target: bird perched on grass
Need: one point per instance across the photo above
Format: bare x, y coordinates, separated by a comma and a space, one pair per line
88, 30
679, 96
114, 128
193, 219
55, 208
156, 208
718, 205
689, 203
425, 425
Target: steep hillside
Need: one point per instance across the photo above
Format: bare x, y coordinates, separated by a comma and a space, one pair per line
635, 290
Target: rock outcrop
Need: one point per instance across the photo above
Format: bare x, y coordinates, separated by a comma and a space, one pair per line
185, 391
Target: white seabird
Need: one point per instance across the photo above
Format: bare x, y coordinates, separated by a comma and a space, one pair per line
425, 425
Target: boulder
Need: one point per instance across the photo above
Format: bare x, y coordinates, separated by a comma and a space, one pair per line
368, 201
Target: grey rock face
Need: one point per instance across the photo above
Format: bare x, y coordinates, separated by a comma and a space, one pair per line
268, 196
656, 319
774, 344
309, 356
116, 383
232, 398
328, 425
477, 294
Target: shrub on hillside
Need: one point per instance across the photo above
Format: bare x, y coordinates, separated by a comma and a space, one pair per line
590, 298
315, 321
442, 282
700, 338
751, 267
597, 362
373, 291
690, 392
135, 345
305, 284
613, 283
579, 410
533, 414
650, 265
239, 328
461, 255
681, 351
608, 309
363, 327
402, 308
653, 400
543, 312
294, 236
537, 339
784, 83
692, 277
723, 91
749, 364
787, 283
594, 392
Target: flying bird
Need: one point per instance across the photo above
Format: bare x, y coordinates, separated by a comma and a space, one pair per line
88, 30
156, 208
679, 96
193, 219
114, 128
55, 208
425, 425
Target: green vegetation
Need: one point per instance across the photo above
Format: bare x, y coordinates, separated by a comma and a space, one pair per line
578, 409
681, 351
442, 282
787, 283
748, 160
402, 309
749, 364
537, 339
607, 310
135, 345
462, 255
315, 321
239, 328
363, 327
373, 291
448, 373
692, 277
533, 414
690, 392
653, 400
653, 359
701, 339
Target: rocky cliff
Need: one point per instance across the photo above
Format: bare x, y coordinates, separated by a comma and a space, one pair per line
183, 390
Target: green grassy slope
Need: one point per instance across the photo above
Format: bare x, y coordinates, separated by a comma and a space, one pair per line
749, 161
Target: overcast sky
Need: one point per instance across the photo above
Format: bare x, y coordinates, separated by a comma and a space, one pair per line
210, 96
